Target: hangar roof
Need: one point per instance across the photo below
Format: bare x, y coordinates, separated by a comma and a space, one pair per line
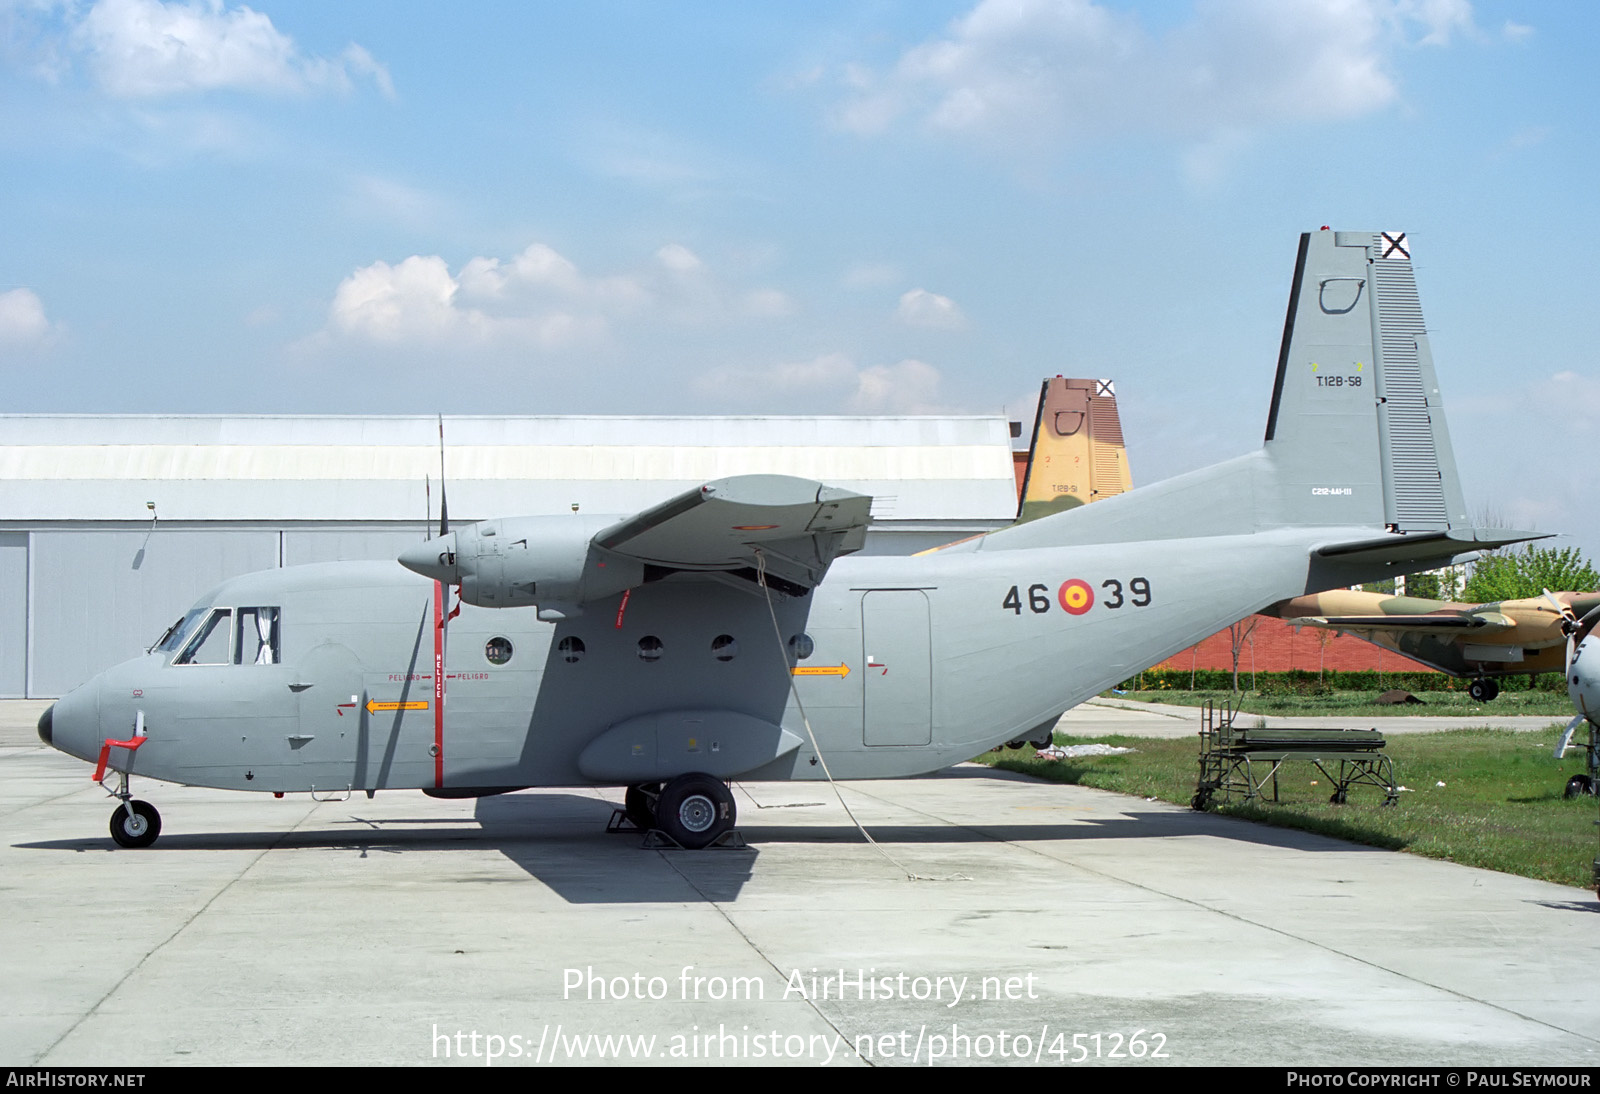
347, 468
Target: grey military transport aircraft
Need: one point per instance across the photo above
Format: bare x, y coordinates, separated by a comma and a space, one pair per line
720, 635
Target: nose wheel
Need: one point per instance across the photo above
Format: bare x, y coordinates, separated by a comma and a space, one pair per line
1483, 690
135, 824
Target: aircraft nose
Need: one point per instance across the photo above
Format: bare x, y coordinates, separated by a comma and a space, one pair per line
435, 558
72, 722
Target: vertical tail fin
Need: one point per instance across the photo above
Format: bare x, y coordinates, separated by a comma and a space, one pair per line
1356, 431
1076, 455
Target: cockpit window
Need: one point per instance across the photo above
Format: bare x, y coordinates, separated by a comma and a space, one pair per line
209, 646
257, 639
179, 630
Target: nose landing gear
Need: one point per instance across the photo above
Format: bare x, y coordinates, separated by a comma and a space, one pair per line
135, 824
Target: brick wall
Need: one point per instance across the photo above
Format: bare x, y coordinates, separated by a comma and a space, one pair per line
1274, 646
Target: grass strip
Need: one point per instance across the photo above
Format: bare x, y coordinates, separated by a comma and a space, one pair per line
1480, 797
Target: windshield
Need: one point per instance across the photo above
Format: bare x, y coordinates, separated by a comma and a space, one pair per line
173, 635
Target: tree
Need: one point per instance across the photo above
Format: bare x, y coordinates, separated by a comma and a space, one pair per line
1514, 575
1241, 631
1423, 586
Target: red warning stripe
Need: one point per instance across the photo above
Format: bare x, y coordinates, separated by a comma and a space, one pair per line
438, 683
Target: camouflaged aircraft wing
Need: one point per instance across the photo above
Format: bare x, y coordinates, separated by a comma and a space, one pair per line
790, 528
1484, 623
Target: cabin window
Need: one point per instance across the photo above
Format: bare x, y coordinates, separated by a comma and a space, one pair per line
571, 649
256, 642
801, 646
724, 647
209, 646
649, 648
497, 650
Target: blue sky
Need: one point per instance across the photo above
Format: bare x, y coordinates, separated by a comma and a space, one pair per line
795, 208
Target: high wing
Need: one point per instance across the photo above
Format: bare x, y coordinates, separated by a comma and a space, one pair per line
787, 529
790, 527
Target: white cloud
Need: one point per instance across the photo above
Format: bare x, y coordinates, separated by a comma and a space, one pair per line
921, 308
413, 299
679, 259
1028, 72
539, 297
22, 319
147, 49
832, 382
909, 387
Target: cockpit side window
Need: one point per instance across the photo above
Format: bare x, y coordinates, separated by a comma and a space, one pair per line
256, 642
209, 646
179, 630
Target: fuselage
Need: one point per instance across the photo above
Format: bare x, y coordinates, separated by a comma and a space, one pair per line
901, 665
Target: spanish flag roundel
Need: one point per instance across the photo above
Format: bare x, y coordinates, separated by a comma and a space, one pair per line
1076, 597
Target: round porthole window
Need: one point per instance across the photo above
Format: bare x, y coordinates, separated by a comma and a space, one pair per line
724, 647
649, 648
497, 650
571, 649
801, 646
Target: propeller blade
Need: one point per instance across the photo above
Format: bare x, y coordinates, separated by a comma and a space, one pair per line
1566, 736
1564, 610
444, 504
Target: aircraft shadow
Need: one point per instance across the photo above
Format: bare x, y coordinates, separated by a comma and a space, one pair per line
559, 839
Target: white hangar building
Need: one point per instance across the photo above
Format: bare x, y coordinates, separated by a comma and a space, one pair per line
90, 574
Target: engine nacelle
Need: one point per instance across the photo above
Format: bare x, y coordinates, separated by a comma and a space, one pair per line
516, 562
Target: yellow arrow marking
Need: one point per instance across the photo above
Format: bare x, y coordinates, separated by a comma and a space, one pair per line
373, 706
822, 670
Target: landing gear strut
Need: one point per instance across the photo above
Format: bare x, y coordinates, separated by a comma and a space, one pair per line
134, 823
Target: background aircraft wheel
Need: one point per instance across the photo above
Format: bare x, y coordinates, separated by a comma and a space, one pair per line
695, 810
1016, 744
640, 805
1578, 786
1483, 690
139, 830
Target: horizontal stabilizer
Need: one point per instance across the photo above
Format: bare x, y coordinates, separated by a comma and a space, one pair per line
1395, 550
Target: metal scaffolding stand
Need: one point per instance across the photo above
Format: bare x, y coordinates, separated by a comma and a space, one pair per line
1240, 762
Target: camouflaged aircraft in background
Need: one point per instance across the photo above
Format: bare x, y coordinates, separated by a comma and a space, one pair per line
1482, 641
723, 634
1077, 455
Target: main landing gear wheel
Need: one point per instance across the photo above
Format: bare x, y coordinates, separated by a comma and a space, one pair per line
640, 805
1483, 690
1578, 786
138, 830
695, 810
